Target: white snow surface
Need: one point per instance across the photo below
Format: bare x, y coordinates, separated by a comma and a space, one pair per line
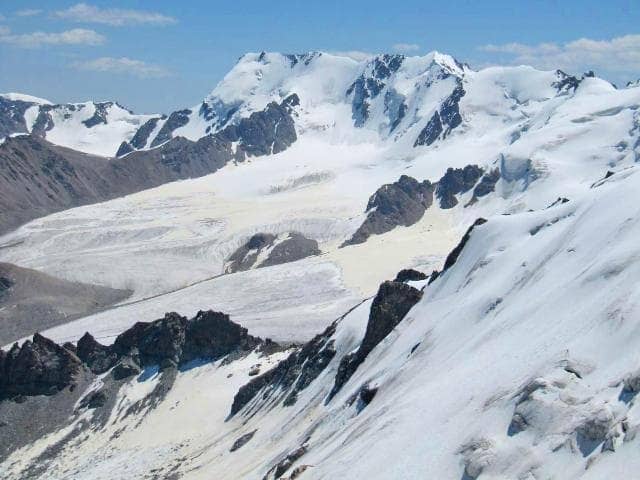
537, 293
21, 97
545, 299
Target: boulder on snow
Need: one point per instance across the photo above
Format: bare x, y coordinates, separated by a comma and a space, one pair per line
242, 441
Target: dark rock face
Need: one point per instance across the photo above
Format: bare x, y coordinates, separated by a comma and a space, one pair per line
212, 335
269, 131
456, 181
293, 248
390, 305
44, 121
363, 397
99, 116
296, 247
139, 140
127, 367
97, 357
94, 400
43, 367
12, 116
431, 132
401, 203
176, 120
292, 375
246, 255
369, 85
174, 340
242, 441
5, 284
565, 83
123, 149
443, 121
487, 184
409, 274
395, 108
38, 367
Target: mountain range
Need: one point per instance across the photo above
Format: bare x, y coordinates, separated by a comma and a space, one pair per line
397, 267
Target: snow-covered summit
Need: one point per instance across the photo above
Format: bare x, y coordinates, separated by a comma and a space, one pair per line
22, 97
92, 127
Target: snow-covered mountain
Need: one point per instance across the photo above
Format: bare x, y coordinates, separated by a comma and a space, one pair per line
92, 127
506, 351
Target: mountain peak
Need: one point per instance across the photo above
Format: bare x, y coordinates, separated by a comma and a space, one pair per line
22, 97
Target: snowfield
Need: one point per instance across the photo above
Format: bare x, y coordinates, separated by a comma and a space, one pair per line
518, 362
546, 296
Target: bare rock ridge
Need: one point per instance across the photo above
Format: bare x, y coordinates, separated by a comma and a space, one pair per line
32, 301
390, 305
42, 367
452, 258
269, 131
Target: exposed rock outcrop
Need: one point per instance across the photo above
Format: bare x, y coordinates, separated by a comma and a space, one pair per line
176, 120
390, 305
274, 249
369, 85
409, 275
12, 116
38, 367
456, 181
43, 367
271, 130
174, 340
444, 120
99, 358
292, 375
401, 203
485, 186
295, 247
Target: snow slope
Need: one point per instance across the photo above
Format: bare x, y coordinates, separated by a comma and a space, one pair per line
545, 144
538, 317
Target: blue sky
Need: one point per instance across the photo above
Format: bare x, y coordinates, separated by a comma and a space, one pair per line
155, 56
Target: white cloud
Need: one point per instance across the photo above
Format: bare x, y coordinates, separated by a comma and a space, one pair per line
620, 54
116, 17
123, 65
406, 47
28, 12
76, 36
